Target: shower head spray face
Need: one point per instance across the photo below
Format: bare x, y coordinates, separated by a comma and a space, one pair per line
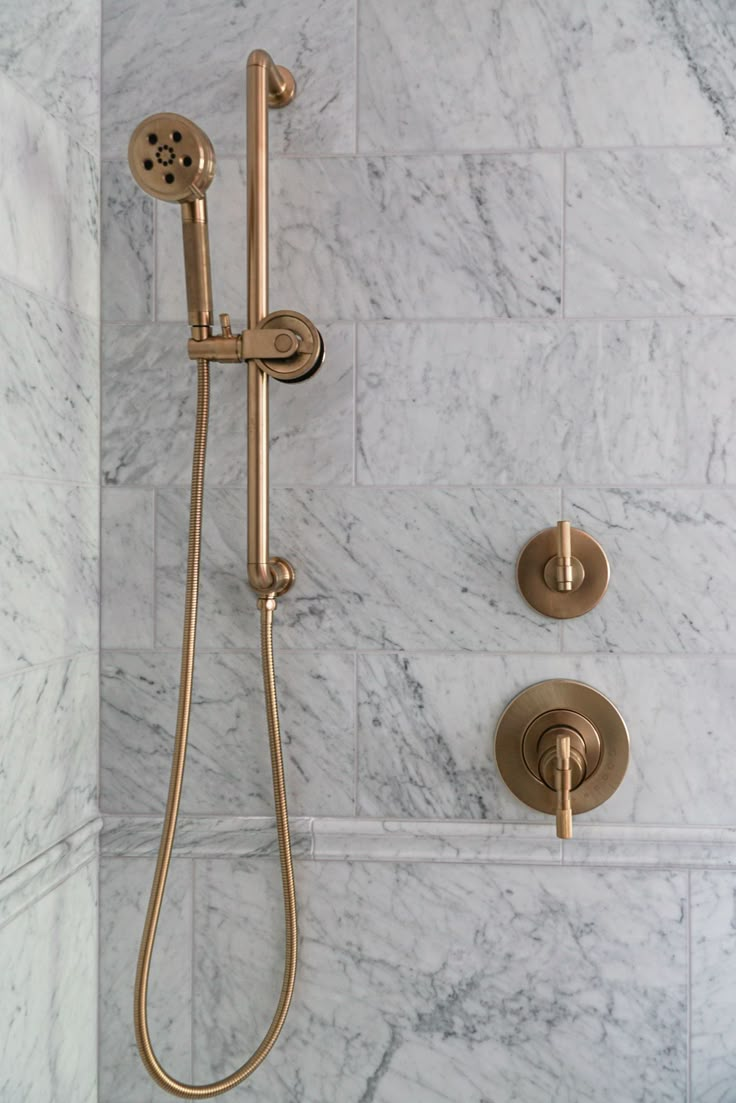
171, 158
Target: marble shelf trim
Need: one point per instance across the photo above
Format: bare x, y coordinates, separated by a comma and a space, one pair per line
360, 839
34, 879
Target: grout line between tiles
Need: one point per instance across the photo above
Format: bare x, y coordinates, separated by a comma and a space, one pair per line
336, 488
356, 736
8, 476
91, 319
355, 404
154, 268
100, 244
154, 588
356, 147
689, 1022
192, 1041
410, 652
550, 320
563, 234
57, 660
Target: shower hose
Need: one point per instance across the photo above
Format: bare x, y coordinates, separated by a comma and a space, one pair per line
267, 605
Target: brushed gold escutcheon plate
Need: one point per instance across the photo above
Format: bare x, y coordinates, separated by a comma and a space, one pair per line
535, 568
602, 743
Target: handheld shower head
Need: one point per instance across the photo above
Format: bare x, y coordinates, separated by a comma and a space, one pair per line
171, 158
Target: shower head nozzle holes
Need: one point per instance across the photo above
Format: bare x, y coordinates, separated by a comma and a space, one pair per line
171, 158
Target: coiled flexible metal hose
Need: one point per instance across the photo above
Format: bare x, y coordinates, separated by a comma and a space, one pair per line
267, 605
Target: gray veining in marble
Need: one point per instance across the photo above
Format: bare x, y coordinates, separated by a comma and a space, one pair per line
528, 404
127, 220
410, 237
364, 558
455, 75
671, 584
49, 380
127, 612
48, 563
650, 232
50, 49
48, 207
427, 723
196, 67
124, 889
48, 755
713, 941
149, 390
48, 993
228, 764
419, 982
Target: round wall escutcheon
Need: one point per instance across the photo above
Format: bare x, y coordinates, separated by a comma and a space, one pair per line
599, 737
535, 574
310, 352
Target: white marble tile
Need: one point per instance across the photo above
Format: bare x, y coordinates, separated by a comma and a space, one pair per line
51, 50
48, 206
166, 57
48, 563
124, 889
51, 713
364, 560
713, 965
228, 763
427, 723
312, 425
474, 75
514, 403
149, 390
127, 567
48, 995
650, 232
671, 554
389, 237
418, 982
49, 379
205, 836
127, 220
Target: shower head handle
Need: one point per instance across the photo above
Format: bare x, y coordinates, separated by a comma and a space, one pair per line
197, 267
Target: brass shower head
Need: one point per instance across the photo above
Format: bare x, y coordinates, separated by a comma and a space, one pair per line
171, 158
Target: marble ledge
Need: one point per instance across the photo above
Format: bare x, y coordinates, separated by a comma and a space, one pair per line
34, 879
346, 839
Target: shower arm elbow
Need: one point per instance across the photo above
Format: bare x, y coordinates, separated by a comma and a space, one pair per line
280, 84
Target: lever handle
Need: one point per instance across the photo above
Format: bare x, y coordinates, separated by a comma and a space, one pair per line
562, 786
563, 562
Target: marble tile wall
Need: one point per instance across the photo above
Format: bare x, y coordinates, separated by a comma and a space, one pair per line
514, 224
49, 549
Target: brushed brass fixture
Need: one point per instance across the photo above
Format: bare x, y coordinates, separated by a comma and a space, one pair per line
562, 572
174, 161
562, 748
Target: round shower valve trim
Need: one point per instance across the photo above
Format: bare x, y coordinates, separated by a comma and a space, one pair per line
562, 748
